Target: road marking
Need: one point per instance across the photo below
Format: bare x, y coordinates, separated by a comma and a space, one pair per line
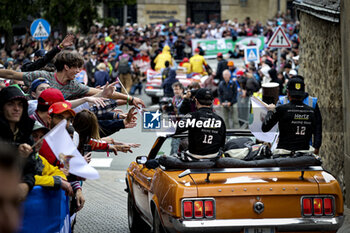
104, 162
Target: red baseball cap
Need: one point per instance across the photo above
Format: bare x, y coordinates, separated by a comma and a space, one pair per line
60, 107
240, 73
219, 55
185, 59
196, 50
50, 96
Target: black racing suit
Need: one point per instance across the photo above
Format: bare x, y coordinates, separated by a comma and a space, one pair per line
206, 131
296, 122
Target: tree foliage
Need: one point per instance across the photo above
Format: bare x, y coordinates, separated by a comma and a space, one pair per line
62, 14
13, 12
79, 13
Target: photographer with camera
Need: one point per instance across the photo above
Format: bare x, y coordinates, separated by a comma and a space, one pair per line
188, 104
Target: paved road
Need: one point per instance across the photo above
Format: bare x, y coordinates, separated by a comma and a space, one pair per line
105, 209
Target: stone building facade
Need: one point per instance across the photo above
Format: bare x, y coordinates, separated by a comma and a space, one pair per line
345, 63
153, 11
256, 10
324, 62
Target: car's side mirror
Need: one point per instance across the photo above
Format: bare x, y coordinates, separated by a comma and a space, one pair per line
141, 159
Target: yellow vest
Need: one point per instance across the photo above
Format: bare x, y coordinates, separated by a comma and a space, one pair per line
197, 63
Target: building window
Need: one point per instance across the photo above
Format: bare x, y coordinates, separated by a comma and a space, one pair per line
243, 3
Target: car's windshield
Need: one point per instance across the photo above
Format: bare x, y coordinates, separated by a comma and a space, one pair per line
166, 148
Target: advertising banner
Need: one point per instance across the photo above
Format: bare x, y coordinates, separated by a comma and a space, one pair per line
214, 46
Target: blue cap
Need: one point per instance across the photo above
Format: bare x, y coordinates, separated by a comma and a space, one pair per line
37, 82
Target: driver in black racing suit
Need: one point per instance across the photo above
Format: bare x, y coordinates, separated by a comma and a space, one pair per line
206, 130
296, 120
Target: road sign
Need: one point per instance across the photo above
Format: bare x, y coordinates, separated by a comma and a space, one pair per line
251, 53
40, 29
279, 39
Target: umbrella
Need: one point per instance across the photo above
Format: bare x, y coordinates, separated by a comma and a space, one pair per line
172, 21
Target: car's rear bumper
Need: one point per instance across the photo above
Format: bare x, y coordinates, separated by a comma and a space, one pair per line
280, 224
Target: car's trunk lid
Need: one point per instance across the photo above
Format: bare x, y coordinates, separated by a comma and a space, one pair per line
236, 193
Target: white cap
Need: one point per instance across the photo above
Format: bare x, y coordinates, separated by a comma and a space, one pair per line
293, 72
296, 58
265, 70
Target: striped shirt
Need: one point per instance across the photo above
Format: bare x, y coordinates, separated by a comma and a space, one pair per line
71, 90
35, 116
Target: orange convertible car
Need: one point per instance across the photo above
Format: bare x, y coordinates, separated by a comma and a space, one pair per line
270, 195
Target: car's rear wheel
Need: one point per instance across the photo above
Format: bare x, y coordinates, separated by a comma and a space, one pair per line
157, 224
136, 223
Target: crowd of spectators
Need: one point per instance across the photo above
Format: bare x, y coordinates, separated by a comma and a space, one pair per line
143, 43
74, 77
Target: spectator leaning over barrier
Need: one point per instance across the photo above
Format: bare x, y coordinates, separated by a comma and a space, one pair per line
10, 174
46, 174
58, 112
68, 65
16, 127
41, 58
110, 121
39, 85
45, 100
86, 125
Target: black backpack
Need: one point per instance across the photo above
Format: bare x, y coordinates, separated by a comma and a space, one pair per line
123, 66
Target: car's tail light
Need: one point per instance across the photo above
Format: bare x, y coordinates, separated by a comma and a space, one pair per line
188, 209
328, 206
307, 206
318, 206
198, 209
209, 209
149, 87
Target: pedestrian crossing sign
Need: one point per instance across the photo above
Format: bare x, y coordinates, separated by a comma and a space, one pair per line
279, 39
40, 29
251, 54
